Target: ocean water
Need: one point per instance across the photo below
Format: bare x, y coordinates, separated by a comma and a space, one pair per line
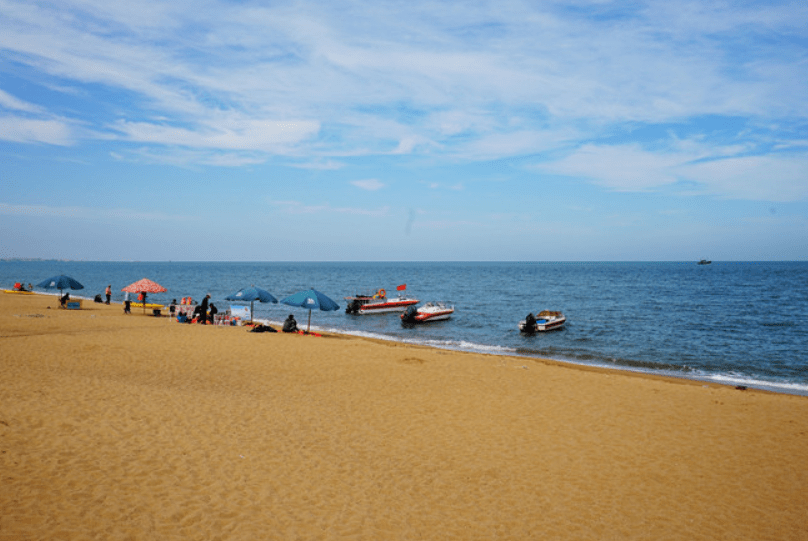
739, 323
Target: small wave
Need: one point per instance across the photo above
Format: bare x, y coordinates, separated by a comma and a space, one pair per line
463, 345
778, 386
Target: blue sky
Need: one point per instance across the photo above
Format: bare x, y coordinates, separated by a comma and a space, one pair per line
300, 131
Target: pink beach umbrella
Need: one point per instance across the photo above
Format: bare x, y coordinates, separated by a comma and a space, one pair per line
145, 285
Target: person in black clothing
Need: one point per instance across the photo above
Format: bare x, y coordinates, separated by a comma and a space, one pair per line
63, 299
172, 307
530, 323
290, 325
213, 312
203, 310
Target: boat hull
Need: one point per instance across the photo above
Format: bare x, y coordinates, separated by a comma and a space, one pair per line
436, 316
427, 313
364, 306
17, 292
544, 324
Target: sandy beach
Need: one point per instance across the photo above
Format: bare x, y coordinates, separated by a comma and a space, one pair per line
136, 427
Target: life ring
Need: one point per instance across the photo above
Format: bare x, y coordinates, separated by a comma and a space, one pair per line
382, 293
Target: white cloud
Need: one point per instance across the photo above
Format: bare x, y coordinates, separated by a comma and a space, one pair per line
371, 184
630, 168
28, 130
236, 83
10, 102
232, 133
620, 168
777, 178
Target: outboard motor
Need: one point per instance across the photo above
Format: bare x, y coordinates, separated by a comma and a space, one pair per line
409, 314
530, 324
353, 307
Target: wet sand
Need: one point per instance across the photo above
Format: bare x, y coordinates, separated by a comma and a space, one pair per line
136, 427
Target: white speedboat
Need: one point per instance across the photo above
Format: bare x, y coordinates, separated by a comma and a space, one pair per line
546, 320
431, 311
378, 303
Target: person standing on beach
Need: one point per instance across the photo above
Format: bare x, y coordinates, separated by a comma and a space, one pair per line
126, 303
108, 292
213, 312
203, 310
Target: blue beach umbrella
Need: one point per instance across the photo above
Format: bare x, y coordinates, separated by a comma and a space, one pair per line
311, 299
252, 294
60, 282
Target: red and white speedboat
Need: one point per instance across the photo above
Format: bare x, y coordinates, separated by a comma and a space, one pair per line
431, 311
378, 303
546, 320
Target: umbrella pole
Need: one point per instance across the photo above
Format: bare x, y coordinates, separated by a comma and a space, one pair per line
309, 327
251, 311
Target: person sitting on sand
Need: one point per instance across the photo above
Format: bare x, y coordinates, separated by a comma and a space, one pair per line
213, 312
63, 300
290, 325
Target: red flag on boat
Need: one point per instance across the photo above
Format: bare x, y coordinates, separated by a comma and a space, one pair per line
402, 287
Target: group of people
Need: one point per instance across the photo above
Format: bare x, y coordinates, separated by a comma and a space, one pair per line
203, 312
19, 286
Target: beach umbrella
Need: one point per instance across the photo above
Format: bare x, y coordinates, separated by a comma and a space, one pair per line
60, 282
252, 294
144, 285
311, 299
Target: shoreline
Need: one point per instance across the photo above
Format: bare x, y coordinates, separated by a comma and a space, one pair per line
116, 426
737, 382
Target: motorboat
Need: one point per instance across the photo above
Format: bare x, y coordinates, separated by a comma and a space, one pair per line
378, 303
546, 320
431, 311
704, 262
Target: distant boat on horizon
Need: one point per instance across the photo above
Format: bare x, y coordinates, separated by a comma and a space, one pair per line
704, 262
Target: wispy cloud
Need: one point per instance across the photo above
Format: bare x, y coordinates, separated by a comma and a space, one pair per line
718, 171
7, 101
370, 184
29, 130
484, 81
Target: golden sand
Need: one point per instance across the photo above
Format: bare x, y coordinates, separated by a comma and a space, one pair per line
135, 427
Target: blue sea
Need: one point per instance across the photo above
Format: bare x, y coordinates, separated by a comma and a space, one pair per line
737, 323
